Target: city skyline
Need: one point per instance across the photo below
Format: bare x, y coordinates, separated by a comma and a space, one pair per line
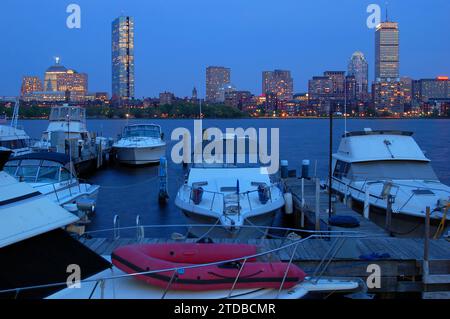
181, 69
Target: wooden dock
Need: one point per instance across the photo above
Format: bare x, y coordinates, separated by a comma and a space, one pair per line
403, 269
402, 272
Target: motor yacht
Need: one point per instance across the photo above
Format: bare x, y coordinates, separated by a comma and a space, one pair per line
390, 166
67, 133
230, 195
140, 144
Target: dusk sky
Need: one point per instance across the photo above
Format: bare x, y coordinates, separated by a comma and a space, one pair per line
175, 40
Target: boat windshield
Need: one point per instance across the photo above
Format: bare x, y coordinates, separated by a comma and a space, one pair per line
38, 171
142, 131
66, 113
403, 170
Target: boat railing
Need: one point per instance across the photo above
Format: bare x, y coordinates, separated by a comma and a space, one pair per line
73, 183
225, 197
293, 243
400, 188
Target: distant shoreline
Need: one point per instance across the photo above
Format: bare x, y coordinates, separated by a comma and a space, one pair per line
257, 118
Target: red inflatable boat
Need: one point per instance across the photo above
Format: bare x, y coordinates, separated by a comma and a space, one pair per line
147, 257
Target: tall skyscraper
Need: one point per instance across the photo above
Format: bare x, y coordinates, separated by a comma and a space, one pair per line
386, 90
217, 77
122, 49
278, 82
359, 68
30, 84
387, 51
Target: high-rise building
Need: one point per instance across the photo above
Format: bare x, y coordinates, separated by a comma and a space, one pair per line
166, 98
338, 83
123, 58
58, 78
320, 89
426, 90
359, 68
217, 77
407, 89
238, 99
30, 84
76, 84
388, 96
387, 88
278, 82
387, 51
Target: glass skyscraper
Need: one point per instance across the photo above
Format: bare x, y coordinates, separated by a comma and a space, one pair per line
359, 68
387, 51
122, 49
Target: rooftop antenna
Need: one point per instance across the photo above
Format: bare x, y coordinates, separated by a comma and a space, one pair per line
57, 58
387, 16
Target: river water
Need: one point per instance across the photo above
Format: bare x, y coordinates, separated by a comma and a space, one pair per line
132, 191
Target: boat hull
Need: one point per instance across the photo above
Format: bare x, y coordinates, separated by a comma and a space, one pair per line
402, 225
140, 155
263, 221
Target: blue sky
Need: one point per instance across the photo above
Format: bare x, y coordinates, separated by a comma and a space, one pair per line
176, 39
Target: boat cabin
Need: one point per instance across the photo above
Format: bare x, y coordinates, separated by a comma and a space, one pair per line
381, 155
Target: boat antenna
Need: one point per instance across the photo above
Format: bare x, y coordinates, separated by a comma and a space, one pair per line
70, 144
15, 113
330, 161
345, 105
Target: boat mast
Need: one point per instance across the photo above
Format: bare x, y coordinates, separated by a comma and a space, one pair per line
15, 114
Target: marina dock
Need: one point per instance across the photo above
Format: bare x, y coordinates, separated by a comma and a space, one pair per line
403, 267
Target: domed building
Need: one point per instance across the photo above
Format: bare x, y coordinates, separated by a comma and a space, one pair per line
51, 76
60, 79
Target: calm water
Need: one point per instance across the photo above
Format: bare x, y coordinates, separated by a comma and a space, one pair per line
129, 192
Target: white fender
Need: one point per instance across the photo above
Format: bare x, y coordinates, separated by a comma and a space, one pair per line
288, 203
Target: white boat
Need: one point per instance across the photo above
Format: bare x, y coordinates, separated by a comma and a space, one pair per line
14, 139
53, 175
390, 163
140, 144
230, 195
67, 133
